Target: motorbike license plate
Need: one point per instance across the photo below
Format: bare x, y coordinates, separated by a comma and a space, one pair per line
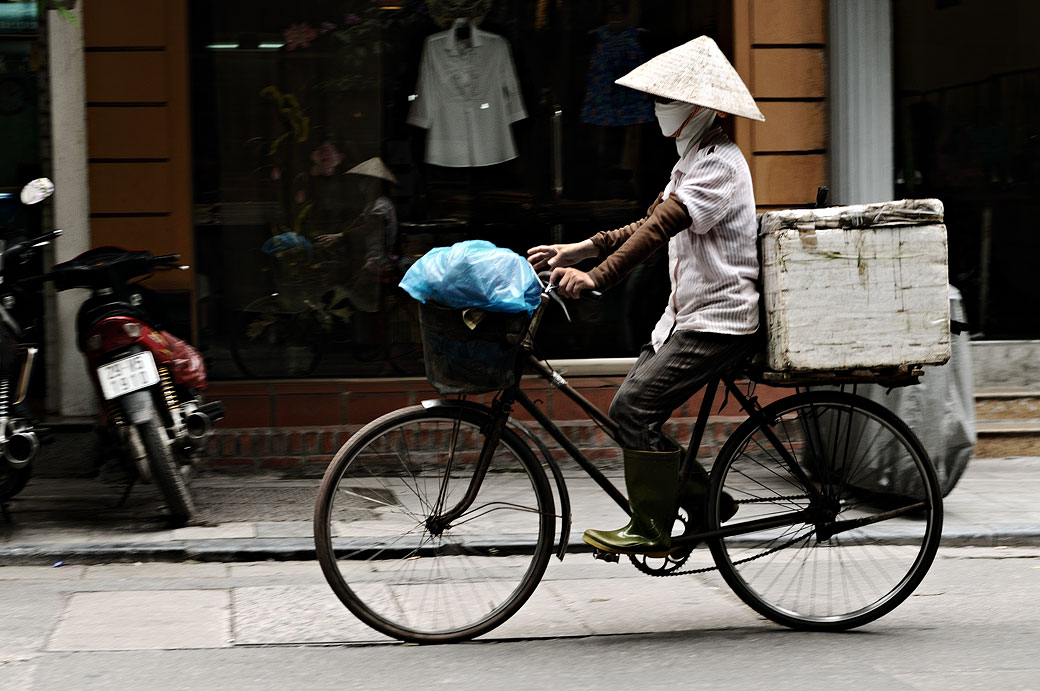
128, 374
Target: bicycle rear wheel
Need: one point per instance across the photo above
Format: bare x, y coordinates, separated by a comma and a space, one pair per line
839, 554
379, 544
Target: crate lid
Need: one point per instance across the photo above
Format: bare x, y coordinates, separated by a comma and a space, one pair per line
904, 212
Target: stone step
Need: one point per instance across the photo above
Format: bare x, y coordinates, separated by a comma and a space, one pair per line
1007, 404
1007, 422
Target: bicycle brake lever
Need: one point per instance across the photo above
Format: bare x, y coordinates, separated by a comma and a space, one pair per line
551, 292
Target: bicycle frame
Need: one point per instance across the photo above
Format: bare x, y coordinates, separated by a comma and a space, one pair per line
515, 394
822, 510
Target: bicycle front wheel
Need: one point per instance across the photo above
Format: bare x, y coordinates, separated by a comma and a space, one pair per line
820, 547
267, 345
387, 554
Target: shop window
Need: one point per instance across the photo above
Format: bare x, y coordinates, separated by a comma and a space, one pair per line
288, 97
968, 133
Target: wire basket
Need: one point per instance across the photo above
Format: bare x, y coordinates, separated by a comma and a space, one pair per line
461, 359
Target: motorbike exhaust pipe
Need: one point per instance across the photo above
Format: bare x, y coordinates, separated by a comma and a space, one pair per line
199, 422
21, 448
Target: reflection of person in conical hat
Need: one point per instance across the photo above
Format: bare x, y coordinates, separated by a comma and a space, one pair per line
373, 168
364, 245
705, 216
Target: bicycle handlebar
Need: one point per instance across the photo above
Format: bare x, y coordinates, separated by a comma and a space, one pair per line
549, 288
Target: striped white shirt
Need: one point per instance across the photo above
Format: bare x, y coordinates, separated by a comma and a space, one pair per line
713, 264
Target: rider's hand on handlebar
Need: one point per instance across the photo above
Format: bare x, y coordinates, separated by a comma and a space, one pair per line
570, 282
328, 240
553, 256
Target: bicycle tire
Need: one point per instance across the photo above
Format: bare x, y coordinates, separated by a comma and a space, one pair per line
288, 346
166, 472
372, 531
810, 580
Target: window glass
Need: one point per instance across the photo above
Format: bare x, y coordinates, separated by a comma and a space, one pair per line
300, 250
968, 133
19, 129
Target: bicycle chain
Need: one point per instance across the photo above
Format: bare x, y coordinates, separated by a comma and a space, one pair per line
764, 500
656, 573
736, 563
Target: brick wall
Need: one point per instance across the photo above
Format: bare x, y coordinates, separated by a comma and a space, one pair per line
294, 428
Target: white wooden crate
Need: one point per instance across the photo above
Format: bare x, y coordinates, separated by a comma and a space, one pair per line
856, 287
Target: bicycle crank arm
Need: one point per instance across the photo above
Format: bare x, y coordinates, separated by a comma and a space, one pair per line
829, 530
745, 527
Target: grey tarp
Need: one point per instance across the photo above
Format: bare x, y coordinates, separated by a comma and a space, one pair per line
941, 412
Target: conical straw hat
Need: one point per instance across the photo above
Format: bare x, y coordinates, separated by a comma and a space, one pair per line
373, 168
695, 72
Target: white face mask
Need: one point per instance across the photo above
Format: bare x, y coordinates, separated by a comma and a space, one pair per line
671, 117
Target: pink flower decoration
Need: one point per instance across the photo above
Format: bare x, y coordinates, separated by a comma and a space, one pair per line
276, 173
325, 159
352, 19
301, 197
299, 36
326, 27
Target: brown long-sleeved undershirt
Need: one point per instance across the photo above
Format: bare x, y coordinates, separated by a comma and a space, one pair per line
628, 246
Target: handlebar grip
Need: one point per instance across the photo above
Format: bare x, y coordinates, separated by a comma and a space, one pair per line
543, 277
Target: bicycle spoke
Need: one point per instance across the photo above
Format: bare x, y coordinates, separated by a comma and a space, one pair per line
444, 582
852, 561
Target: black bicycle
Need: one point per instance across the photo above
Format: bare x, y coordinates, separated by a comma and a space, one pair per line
435, 522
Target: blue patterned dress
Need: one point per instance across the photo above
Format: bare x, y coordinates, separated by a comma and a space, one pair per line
607, 103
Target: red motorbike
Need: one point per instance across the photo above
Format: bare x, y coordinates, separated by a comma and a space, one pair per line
149, 381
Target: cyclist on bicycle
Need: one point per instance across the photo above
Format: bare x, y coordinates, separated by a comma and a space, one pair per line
366, 243
706, 217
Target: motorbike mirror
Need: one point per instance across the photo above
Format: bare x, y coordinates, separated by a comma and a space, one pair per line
36, 191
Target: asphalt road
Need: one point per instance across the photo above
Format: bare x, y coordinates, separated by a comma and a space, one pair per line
275, 625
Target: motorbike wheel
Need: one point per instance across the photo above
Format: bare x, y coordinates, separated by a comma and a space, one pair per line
166, 472
13, 480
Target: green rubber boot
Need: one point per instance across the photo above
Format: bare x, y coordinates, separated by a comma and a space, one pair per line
650, 477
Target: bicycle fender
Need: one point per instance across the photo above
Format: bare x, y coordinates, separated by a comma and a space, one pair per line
554, 467
561, 486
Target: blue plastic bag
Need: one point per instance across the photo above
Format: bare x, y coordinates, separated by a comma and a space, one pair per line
284, 242
474, 274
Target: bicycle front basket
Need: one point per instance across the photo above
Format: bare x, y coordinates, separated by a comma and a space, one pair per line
468, 360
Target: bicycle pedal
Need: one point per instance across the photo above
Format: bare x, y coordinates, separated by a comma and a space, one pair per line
606, 556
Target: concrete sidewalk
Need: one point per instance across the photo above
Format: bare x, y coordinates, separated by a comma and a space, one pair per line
258, 518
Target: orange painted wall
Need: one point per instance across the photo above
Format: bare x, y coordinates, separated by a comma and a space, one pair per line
138, 137
779, 49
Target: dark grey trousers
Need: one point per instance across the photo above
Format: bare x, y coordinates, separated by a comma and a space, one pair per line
662, 381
